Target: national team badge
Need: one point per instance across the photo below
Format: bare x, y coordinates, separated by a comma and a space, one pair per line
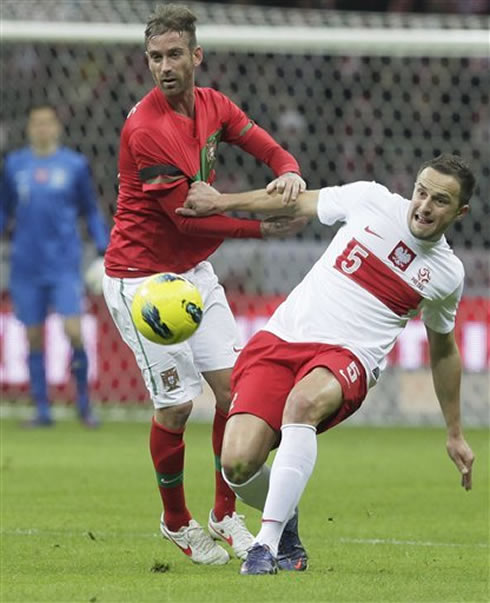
401, 256
211, 146
41, 175
422, 278
170, 379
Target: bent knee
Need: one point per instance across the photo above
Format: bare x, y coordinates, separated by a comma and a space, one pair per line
238, 469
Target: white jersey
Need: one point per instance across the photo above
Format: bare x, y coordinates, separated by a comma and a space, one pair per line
373, 277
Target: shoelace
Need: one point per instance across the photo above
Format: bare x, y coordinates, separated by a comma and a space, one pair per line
198, 536
240, 524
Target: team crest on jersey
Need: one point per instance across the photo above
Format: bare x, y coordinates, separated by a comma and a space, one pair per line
401, 256
211, 146
41, 175
170, 379
422, 278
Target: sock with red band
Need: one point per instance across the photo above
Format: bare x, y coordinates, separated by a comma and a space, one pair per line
224, 500
167, 452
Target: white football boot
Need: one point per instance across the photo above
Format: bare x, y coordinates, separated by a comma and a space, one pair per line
197, 544
233, 531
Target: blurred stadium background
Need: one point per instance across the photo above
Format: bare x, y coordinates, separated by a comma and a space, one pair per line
353, 94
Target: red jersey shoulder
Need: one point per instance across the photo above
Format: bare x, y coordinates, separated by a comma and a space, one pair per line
145, 111
211, 96
221, 112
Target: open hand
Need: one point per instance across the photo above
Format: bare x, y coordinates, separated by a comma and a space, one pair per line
289, 184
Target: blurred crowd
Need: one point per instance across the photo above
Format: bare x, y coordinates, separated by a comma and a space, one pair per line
468, 7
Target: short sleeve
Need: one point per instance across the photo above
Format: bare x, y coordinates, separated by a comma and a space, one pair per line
440, 315
335, 203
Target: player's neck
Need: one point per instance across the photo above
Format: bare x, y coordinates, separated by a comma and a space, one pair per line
183, 104
43, 150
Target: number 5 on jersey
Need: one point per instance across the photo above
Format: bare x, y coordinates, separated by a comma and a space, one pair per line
353, 261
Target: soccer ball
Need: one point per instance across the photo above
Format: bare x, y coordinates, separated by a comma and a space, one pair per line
167, 308
94, 276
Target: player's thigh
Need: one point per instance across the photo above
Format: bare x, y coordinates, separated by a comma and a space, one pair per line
247, 441
30, 300
313, 398
168, 371
261, 380
72, 326
66, 295
330, 387
215, 343
220, 383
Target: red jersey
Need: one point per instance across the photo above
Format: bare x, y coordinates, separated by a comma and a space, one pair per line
161, 153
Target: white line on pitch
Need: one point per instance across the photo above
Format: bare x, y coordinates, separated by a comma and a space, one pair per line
410, 542
392, 541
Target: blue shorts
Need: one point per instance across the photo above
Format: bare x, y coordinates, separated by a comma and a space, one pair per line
33, 301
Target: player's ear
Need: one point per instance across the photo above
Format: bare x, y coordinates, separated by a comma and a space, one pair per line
463, 210
197, 56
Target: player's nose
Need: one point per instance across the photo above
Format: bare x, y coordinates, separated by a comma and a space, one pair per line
425, 206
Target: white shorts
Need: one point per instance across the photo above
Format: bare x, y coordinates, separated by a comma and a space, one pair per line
172, 373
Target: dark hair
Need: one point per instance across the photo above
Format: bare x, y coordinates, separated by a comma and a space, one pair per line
172, 17
453, 165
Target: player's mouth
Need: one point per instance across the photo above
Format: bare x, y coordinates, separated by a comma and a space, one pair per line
169, 81
421, 220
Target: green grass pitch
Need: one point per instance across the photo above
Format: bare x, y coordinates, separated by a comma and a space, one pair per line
383, 519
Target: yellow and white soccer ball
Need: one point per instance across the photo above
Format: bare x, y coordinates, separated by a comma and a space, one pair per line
167, 308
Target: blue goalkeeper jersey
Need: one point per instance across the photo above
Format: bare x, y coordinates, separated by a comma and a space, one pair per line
47, 194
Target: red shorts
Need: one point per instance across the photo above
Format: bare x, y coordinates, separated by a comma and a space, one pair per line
268, 367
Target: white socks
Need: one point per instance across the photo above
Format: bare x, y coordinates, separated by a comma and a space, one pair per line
253, 492
290, 472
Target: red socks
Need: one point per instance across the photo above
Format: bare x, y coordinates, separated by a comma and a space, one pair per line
167, 451
224, 500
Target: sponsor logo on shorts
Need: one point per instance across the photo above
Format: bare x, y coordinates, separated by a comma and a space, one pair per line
170, 379
233, 400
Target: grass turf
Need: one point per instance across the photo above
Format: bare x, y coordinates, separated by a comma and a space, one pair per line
383, 519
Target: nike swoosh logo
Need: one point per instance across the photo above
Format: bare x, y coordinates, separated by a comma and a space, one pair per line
236, 349
167, 482
369, 231
232, 403
228, 539
187, 550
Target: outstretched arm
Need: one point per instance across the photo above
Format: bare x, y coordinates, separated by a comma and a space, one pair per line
204, 200
446, 374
